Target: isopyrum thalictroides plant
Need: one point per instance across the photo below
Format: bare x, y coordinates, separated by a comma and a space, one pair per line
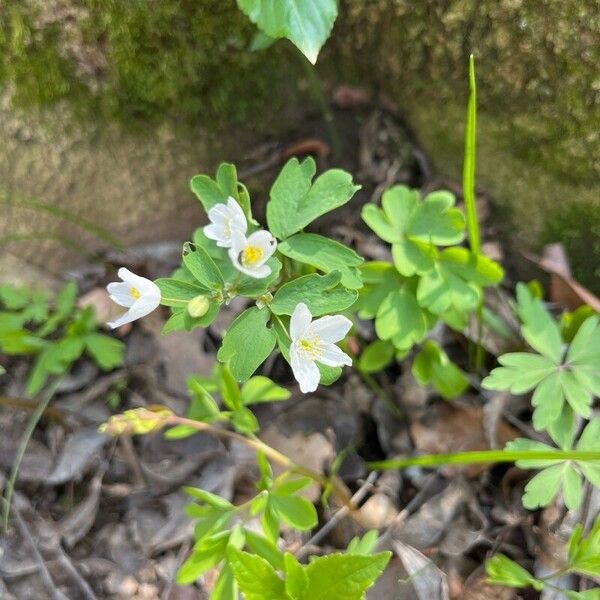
303, 292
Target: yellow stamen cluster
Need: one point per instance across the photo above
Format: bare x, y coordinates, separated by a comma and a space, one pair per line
310, 348
134, 292
251, 255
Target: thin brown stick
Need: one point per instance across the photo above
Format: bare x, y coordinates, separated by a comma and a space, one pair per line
339, 489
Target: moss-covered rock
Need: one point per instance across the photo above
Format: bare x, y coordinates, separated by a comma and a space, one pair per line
181, 67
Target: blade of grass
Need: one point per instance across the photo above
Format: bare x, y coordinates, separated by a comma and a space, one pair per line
31, 424
483, 456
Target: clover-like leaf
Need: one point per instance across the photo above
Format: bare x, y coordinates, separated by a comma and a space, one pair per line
415, 227
295, 201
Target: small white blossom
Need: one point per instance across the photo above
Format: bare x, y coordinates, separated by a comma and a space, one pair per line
138, 294
224, 220
249, 255
315, 341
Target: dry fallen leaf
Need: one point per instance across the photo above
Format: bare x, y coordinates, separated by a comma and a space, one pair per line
452, 428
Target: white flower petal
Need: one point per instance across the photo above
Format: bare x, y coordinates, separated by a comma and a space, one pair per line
238, 218
219, 214
213, 232
332, 356
331, 328
120, 293
305, 371
300, 321
238, 241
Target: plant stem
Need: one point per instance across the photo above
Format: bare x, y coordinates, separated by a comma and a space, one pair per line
33, 421
339, 490
484, 456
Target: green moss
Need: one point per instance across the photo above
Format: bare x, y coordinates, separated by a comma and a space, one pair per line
141, 61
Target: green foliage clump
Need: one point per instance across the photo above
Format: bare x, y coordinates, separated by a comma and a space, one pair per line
55, 332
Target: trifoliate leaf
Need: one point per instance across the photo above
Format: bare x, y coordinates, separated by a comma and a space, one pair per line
307, 23
256, 578
379, 279
321, 293
295, 201
415, 227
324, 254
247, 343
343, 576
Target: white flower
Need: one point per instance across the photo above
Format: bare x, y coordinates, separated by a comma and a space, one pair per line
315, 341
224, 220
138, 294
249, 255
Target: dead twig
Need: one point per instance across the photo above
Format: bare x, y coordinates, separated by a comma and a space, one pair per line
356, 499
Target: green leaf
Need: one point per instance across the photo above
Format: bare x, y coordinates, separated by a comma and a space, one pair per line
265, 548
324, 254
208, 552
364, 545
306, 23
248, 331
521, 372
432, 366
252, 287
584, 552
296, 580
202, 266
379, 279
65, 305
539, 328
262, 389
296, 511
256, 578
13, 297
106, 351
225, 587
572, 488
230, 392
376, 356
178, 293
294, 194
504, 571
343, 576
543, 487
321, 293
208, 498
401, 319
244, 421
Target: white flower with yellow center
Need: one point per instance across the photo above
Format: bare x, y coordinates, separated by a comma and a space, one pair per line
138, 294
315, 341
249, 255
224, 220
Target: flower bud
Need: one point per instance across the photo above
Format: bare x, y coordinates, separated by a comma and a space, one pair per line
198, 306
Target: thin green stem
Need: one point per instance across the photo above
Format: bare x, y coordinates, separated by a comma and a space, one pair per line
484, 456
469, 163
33, 421
278, 319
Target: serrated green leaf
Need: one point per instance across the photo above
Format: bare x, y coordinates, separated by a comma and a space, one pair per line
364, 545
294, 194
296, 580
256, 578
343, 576
207, 553
306, 23
324, 254
248, 331
539, 329
321, 293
